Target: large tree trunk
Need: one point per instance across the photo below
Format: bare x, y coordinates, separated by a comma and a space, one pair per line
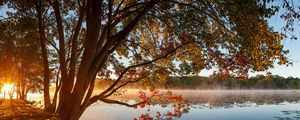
46, 71
77, 83
66, 88
87, 70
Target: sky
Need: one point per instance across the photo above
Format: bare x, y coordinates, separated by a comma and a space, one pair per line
292, 45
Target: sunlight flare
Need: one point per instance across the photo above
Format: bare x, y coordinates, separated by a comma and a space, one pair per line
7, 89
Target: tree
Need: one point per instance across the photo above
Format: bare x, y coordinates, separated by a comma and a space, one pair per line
132, 39
19, 50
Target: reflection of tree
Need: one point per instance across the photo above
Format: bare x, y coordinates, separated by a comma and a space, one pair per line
176, 102
242, 99
289, 115
228, 99
212, 99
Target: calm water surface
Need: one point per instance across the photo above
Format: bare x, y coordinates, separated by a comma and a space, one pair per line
211, 105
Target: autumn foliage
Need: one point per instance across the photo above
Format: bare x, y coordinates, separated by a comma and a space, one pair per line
178, 103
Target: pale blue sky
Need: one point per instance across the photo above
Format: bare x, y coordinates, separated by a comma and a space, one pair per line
292, 45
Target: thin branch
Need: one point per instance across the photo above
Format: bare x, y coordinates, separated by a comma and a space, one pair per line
134, 53
141, 47
117, 88
101, 95
209, 15
89, 93
57, 89
118, 7
45, 13
74, 46
47, 18
110, 5
53, 45
149, 29
130, 26
122, 103
127, 7
141, 64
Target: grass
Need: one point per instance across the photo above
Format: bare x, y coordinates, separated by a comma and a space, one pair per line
12, 109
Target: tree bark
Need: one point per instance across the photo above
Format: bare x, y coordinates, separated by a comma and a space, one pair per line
84, 73
66, 88
46, 71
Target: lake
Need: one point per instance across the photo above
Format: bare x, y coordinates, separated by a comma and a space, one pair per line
210, 105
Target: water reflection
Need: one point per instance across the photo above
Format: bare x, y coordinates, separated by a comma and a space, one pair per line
212, 105
289, 115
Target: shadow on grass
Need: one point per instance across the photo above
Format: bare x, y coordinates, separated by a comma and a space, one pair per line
12, 109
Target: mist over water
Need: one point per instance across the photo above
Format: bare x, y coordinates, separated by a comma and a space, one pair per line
210, 105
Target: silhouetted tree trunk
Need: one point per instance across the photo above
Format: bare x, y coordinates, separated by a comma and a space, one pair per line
73, 103
46, 72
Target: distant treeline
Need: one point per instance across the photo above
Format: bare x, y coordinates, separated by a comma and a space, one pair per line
201, 82
257, 82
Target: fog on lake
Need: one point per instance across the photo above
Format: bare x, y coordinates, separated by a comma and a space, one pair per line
209, 105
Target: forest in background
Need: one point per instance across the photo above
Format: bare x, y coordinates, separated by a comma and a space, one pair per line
213, 82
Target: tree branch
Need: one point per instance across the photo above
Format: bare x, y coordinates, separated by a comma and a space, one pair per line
117, 88
53, 45
141, 64
122, 103
130, 26
202, 11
